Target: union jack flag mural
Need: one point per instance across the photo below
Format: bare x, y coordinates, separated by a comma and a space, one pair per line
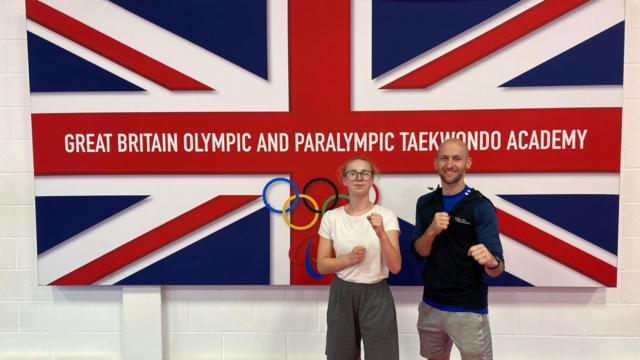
170, 137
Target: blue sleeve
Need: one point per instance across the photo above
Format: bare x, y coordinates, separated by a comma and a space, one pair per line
418, 230
487, 227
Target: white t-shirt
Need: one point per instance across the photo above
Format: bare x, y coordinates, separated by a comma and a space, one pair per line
348, 231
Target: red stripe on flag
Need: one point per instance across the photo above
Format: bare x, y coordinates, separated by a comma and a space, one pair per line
485, 44
52, 133
110, 48
155, 239
557, 249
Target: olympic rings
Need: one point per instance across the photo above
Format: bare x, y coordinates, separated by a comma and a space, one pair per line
324, 207
335, 190
284, 215
264, 195
306, 197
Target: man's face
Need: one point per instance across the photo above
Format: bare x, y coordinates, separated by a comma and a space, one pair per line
452, 162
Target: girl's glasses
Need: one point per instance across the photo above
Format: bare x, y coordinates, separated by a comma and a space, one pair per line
352, 175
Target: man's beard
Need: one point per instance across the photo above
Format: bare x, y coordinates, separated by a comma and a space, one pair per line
454, 180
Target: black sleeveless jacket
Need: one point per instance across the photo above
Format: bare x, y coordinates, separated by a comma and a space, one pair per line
451, 277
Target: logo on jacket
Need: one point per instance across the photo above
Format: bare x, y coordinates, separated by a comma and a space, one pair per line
460, 220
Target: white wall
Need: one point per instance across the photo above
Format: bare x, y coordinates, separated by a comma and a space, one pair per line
284, 322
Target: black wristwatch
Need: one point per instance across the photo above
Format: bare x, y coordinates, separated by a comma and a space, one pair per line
497, 266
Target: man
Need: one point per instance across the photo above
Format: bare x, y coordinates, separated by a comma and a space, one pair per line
457, 232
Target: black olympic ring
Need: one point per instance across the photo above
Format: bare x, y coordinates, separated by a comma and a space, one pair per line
335, 189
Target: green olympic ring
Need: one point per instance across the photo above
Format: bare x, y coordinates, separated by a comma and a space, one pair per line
324, 207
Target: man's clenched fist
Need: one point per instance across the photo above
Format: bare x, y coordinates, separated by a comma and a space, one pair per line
483, 256
439, 224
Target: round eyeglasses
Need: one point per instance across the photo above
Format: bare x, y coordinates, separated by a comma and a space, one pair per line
352, 175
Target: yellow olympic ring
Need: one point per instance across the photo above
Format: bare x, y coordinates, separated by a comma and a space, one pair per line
284, 215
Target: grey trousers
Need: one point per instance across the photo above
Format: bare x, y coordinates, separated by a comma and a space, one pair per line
361, 312
439, 330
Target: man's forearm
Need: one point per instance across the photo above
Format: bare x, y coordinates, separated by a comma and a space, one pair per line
423, 244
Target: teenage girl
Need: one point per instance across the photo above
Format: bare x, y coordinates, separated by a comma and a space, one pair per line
365, 239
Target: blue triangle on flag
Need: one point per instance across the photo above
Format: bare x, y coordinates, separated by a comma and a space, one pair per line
411, 268
59, 218
403, 30
505, 279
54, 69
591, 217
596, 61
238, 254
235, 30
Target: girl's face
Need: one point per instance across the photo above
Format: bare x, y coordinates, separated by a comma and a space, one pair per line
358, 185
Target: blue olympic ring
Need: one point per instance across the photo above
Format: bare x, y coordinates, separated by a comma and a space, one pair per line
264, 195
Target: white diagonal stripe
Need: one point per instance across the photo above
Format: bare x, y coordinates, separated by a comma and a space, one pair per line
170, 196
